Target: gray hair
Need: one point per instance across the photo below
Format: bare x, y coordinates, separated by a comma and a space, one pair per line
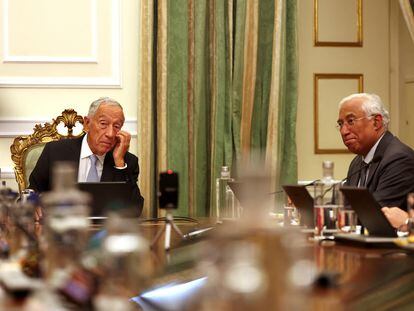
103, 100
371, 104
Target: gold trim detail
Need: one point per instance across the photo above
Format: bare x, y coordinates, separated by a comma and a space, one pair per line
316, 41
330, 76
41, 134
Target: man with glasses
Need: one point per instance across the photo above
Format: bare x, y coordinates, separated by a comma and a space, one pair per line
384, 163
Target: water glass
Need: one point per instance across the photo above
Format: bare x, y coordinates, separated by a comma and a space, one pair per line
347, 220
326, 217
290, 215
327, 201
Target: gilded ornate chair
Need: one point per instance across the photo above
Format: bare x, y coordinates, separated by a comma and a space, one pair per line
26, 150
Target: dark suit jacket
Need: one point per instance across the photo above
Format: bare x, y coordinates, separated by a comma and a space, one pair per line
391, 178
69, 150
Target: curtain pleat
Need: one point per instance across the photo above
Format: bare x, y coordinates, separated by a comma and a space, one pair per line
177, 105
249, 75
202, 108
161, 87
287, 157
145, 111
263, 75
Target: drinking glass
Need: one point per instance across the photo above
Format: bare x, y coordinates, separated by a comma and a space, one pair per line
326, 205
347, 220
290, 214
347, 217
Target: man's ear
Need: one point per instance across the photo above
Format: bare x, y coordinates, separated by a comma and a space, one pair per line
378, 122
86, 122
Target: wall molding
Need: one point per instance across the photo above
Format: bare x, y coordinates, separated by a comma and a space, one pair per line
114, 80
409, 79
92, 58
7, 172
11, 128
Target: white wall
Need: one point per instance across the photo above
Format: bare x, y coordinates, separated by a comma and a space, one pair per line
405, 54
49, 61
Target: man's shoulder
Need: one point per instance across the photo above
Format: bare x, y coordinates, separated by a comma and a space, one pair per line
396, 146
63, 144
131, 156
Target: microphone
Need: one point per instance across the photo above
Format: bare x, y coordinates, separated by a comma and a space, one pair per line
305, 185
312, 182
276, 192
376, 159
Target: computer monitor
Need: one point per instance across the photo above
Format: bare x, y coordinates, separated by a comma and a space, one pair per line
369, 211
303, 202
107, 196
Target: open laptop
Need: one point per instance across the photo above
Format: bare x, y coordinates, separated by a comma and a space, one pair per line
371, 217
106, 196
303, 201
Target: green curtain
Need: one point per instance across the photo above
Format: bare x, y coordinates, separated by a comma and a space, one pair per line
220, 68
288, 96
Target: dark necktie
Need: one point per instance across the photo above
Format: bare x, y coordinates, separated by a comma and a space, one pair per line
363, 174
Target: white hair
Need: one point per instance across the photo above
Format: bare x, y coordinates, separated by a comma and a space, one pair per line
103, 100
371, 104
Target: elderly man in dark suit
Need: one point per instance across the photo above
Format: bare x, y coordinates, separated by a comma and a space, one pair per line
102, 154
388, 171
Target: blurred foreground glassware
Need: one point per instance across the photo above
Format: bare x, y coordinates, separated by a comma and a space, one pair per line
255, 267
126, 264
7, 201
24, 242
66, 224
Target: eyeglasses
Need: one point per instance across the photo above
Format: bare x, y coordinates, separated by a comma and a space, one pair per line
350, 122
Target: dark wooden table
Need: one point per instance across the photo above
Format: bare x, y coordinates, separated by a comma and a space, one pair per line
356, 278
352, 277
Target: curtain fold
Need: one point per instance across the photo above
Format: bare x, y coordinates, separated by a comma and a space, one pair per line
226, 85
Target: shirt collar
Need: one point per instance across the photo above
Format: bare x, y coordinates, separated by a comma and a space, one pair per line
370, 155
86, 151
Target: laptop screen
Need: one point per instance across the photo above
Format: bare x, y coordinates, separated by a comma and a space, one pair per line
369, 211
303, 201
107, 196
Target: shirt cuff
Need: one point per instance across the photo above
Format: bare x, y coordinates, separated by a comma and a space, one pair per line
121, 168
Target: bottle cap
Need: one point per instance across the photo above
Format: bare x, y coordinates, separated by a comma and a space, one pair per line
225, 173
328, 164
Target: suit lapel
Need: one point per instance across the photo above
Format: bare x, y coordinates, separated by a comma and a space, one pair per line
353, 181
381, 148
75, 148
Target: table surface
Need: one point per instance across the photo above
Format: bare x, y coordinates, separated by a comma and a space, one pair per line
362, 278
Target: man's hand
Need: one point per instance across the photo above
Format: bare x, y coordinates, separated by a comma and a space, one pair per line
396, 216
121, 147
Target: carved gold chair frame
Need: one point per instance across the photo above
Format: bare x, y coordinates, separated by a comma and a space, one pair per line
42, 134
